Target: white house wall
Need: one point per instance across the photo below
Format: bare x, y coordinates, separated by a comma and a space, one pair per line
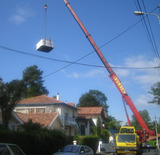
56, 125
95, 118
26, 108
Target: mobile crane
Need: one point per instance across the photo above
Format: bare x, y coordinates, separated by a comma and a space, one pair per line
145, 132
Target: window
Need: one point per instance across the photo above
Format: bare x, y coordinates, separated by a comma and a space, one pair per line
20, 110
82, 150
66, 117
87, 150
16, 150
4, 150
82, 129
30, 110
126, 138
40, 110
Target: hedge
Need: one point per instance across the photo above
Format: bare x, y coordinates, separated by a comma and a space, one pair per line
40, 142
91, 141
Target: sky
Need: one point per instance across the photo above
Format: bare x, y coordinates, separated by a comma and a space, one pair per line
121, 36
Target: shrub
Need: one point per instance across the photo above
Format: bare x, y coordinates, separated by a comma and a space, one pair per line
105, 135
36, 142
152, 143
91, 141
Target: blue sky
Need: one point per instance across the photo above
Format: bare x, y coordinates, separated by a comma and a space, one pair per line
22, 26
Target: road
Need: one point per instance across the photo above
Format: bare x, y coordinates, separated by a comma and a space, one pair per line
147, 153
109, 149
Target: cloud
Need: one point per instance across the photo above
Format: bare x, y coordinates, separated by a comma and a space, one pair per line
21, 15
144, 72
74, 75
148, 76
144, 78
94, 73
142, 100
90, 74
17, 19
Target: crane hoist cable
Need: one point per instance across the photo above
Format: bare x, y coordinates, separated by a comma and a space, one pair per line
45, 45
125, 108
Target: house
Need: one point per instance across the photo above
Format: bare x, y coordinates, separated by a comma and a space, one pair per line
49, 120
53, 113
88, 116
43, 107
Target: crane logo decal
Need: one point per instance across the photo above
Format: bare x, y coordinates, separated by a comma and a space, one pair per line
118, 84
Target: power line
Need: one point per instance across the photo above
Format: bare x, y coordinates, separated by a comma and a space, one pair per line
149, 31
76, 62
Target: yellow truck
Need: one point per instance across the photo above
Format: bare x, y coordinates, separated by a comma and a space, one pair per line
127, 141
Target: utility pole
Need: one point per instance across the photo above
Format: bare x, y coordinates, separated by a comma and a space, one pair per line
157, 143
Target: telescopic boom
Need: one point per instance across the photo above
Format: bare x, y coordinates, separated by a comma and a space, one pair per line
112, 74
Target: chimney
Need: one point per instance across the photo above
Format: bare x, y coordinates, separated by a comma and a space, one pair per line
57, 96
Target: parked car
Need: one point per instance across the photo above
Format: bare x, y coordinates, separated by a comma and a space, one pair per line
10, 149
75, 150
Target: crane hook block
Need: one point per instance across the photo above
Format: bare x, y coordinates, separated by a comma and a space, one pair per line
44, 45
45, 6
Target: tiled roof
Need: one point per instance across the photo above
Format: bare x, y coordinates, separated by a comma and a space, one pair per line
39, 99
44, 100
84, 117
42, 118
71, 104
90, 110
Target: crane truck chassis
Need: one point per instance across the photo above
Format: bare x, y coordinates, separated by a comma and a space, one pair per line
128, 142
116, 80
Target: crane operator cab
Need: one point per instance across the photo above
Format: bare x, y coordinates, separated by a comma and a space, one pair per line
44, 45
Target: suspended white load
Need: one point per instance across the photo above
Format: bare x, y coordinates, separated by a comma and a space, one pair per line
44, 45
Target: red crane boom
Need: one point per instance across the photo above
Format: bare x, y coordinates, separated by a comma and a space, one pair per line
113, 76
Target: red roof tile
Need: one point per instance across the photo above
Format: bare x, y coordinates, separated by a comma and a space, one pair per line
39, 99
71, 104
90, 110
42, 118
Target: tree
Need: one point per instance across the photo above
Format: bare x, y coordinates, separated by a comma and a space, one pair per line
101, 98
145, 115
10, 94
94, 98
88, 100
98, 127
155, 91
32, 78
112, 124
30, 126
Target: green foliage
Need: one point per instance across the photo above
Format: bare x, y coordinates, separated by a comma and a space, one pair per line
30, 126
105, 135
36, 142
91, 141
31, 85
102, 133
10, 94
88, 100
101, 98
152, 143
112, 124
145, 115
155, 91
32, 78
158, 126
94, 98
98, 127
